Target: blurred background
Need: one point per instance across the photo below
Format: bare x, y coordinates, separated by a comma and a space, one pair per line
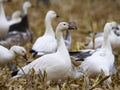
89, 15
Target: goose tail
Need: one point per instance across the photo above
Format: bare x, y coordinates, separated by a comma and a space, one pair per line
33, 52
14, 73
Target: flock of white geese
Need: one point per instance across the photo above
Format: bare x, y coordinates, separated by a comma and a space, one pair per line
52, 48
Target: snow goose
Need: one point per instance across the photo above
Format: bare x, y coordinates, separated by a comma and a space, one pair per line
113, 40
4, 24
46, 43
57, 65
101, 34
9, 55
23, 26
101, 59
19, 34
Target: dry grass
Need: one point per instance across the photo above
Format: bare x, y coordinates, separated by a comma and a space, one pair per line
89, 15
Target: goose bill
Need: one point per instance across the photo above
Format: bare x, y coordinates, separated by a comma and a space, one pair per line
25, 57
72, 25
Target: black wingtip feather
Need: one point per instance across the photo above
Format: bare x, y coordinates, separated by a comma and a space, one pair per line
14, 73
76, 53
33, 52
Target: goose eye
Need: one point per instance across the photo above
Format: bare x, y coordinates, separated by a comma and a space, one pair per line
22, 51
64, 24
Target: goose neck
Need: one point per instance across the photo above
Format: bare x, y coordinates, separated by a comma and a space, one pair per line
49, 29
25, 10
61, 45
12, 52
2, 13
106, 43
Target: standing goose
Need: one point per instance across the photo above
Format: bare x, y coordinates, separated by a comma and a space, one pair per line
19, 34
57, 65
9, 55
10, 39
4, 24
46, 43
101, 59
100, 34
24, 24
114, 40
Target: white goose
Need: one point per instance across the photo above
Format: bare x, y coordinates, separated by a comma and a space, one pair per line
4, 24
46, 43
101, 59
9, 55
100, 34
19, 34
114, 40
57, 65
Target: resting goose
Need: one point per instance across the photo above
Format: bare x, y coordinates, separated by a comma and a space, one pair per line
46, 43
4, 24
19, 34
102, 58
57, 65
9, 55
114, 40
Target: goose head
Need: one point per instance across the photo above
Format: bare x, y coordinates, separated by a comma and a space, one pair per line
116, 28
109, 26
25, 6
66, 26
114, 25
16, 15
20, 51
63, 26
51, 15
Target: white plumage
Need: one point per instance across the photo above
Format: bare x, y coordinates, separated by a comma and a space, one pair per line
57, 65
19, 34
103, 58
4, 23
114, 40
9, 55
46, 43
